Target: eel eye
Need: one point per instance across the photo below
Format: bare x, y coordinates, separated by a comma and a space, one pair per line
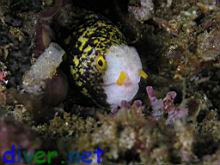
101, 63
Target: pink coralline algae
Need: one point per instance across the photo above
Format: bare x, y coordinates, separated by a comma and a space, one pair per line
137, 104
166, 105
3, 77
15, 133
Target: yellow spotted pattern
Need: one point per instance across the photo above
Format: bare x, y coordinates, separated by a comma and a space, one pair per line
93, 36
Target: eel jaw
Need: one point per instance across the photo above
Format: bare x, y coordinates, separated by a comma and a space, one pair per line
121, 79
116, 94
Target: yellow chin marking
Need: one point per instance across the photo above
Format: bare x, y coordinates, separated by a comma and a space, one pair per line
122, 78
143, 74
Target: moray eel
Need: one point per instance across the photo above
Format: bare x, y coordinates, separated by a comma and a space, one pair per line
102, 65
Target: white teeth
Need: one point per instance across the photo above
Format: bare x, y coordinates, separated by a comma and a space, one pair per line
121, 58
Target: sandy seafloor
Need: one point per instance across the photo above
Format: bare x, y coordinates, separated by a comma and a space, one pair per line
179, 44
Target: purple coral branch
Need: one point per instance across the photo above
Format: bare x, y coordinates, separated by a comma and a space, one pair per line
168, 101
166, 105
157, 105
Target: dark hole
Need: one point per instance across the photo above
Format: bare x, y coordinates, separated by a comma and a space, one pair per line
179, 96
211, 146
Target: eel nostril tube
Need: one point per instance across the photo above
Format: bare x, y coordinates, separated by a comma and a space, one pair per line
143, 74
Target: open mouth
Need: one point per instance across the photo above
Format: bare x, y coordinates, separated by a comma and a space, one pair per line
108, 84
127, 84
